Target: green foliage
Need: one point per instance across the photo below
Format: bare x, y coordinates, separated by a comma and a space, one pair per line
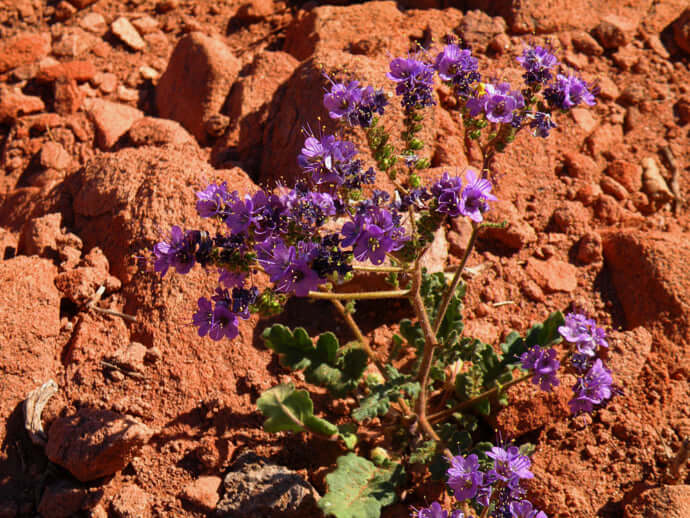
290, 410
326, 364
348, 434
424, 452
360, 489
381, 395
544, 334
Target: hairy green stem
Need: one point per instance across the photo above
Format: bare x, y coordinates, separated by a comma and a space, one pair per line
382, 269
440, 416
357, 295
448, 295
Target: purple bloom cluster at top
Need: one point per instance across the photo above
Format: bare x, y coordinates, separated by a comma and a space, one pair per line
415, 80
569, 91
544, 364
538, 63
470, 201
593, 387
498, 103
354, 104
374, 233
499, 487
457, 67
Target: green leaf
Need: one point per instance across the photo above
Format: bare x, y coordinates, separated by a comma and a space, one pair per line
377, 402
290, 410
326, 364
360, 489
348, 433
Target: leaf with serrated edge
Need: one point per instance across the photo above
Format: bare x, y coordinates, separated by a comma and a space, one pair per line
360, 489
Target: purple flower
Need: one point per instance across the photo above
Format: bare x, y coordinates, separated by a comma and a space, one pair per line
545, 366
458, 67
218, 322
304, 278
178, 252
448, 191
241, 216
203, 318
475, 195
592, 389
498, 103
342, 99
464, 477
509, 465
324, 158
537, 62
270, 215
232, 279
542, 124
415, 80
372, 244
212, 200
436, 511
584, 333
277, 260
525, 509
569, 91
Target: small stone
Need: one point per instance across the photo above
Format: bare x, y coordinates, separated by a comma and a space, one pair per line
67, 98
657, 46
682, 109
14, 103
145, 24
131, 502
589, 249
165, 6
39, 236
23, 49
112, 120
127, 95
131, 358
256, 487
149, 73
54, 156
608, 89
629, 175
633, 119
578, 165
202, 492
584, 119
254, 11
615, 31
153, 354
107, 82
553, 275
94, 22
626, 58
607, 209
216, 125
123, 29
612, 187
77, 70
633, 94
584, 43
74, 43
605, 140
532, 290
151, 131
62, 499
95, 443
80, 284
500, 43
64, 11
82, 4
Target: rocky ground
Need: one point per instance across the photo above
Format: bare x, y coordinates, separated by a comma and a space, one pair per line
113, 113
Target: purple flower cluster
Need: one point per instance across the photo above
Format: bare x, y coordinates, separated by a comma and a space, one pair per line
436, 511
374, 232
454, 200
544, 364
594, 383
415, 80
537, 62
569, 91
498, 103
499, 487
354, 104
457, 67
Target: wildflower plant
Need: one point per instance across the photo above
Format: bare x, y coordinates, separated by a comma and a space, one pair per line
311, 237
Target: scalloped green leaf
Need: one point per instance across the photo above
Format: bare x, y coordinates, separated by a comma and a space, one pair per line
360, 489
290, 410
378, 401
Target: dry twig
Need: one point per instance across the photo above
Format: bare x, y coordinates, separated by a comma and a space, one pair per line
33, 408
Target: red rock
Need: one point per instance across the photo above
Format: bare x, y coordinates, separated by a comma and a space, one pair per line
203, 492
629, 175
132, 357
681, 31
570, 218
667, 501
626, 58
112, 120
30, 327
589, 249
615, 31
578, 165
64, 11
23, 49
95, 443
80, 285
94, 22
248, 104
123, 29
612, 187
682, 108
62, 499
657, 262
607, 209
74, 42
553, 275
97, 259
151, 131
39, 236
254, 11
196, 82
517, 234
54, 156
145, 24
131, 502
13, 104
478, 29
8, 244
583, 42
608, 89
77, 70
584, 119
68, 97
605, 140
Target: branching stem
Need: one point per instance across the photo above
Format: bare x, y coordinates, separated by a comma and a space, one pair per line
359, 295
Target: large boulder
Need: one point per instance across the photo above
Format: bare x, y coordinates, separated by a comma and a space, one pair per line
197, 81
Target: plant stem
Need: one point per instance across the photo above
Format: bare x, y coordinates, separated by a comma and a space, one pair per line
359, 295
448, 295
382, 269
440, 416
